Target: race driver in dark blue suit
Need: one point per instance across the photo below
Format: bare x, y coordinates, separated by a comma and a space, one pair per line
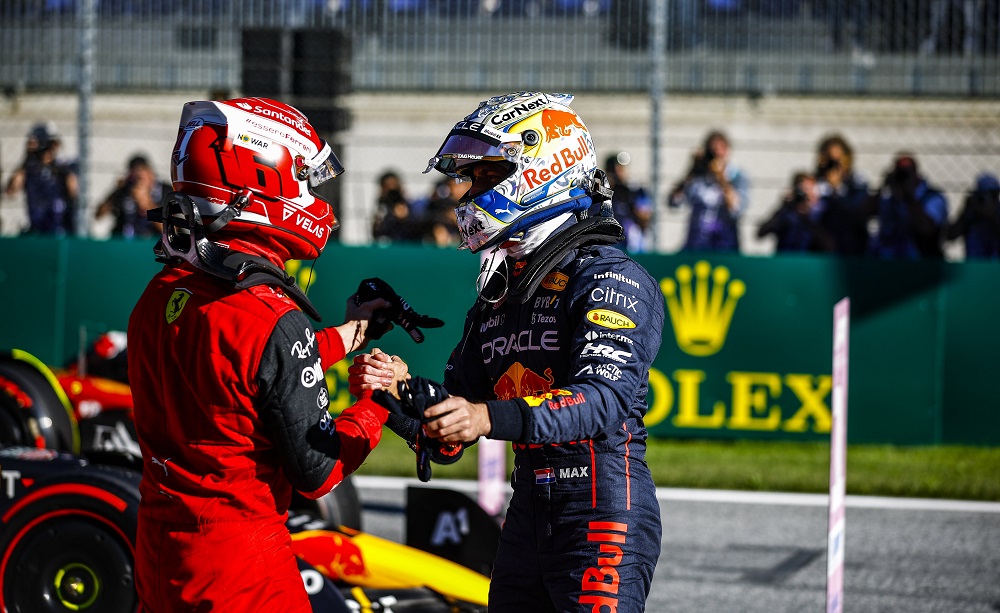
554, 357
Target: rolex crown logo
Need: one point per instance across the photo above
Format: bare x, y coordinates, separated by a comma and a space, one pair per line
701, 306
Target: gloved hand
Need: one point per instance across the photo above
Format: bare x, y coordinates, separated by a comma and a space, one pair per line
400, 312
406, 416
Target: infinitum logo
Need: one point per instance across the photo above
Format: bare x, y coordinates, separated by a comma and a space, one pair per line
701, 306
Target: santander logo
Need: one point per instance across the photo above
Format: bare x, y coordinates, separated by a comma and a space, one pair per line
297, 122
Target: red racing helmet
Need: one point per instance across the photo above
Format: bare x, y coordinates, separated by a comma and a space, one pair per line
249, 165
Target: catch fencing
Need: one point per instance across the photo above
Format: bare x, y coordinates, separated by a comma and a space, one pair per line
756, 47
777, 75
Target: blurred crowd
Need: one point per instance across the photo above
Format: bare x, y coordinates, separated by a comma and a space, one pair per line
827, 207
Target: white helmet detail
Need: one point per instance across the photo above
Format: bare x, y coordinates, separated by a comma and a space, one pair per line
529, 157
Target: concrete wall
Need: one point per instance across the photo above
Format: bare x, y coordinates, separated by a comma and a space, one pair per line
772, 137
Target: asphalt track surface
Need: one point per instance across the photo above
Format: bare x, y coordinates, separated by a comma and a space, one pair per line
758, 552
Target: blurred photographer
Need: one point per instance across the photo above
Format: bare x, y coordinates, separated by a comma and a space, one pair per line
632, 205
717, 192
50, 185
842, 193
138, 192
979, 222
796, 222
912, 214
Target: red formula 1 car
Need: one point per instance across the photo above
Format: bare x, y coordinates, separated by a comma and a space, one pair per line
69, 499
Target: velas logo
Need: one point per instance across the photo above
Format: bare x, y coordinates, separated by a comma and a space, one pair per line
555, 281
561, 161
609, 319
701, 305
176, 304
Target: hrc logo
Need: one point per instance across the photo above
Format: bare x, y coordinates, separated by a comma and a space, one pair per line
701, 306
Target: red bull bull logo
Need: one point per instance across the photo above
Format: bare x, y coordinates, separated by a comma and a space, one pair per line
558, 124
519, 382
332, 554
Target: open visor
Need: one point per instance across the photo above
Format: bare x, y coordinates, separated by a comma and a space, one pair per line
464, 147
321, 168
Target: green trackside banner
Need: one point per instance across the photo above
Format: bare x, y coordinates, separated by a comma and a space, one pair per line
746, 350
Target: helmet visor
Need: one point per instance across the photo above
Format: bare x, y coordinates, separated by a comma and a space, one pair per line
466, 146
321, 168
485, 176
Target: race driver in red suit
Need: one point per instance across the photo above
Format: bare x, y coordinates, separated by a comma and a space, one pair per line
231, 406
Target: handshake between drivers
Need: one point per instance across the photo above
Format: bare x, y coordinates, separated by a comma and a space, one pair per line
435, 424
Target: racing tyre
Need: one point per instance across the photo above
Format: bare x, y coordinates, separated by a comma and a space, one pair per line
341, 507
13, 429
50, 414
69, 545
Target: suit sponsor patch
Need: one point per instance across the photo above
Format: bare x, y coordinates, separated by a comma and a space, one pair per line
555, 281
609, 319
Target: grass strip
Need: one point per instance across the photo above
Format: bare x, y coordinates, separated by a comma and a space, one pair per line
954, 472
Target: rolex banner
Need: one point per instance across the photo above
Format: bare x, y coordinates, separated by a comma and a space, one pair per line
745, 351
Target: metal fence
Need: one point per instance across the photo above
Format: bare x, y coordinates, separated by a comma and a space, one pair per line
652, 77
821, 47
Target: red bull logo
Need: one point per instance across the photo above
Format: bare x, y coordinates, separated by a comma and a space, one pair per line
332, 554
566, 400
519, 382
558, 124
600, 582
562, 161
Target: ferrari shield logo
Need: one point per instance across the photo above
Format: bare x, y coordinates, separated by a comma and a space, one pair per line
176, 304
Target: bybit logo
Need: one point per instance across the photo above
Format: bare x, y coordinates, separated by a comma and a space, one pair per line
701, 314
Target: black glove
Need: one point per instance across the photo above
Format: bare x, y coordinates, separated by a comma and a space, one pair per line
406, 417
399, 312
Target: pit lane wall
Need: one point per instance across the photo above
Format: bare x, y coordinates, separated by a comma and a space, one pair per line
746, 350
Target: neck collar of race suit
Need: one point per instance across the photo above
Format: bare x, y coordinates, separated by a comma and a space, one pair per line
243, 270
501, 283
184, 238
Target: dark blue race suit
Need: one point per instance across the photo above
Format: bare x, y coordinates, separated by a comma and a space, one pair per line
565, 376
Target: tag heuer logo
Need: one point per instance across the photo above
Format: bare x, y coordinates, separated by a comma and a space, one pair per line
176, 304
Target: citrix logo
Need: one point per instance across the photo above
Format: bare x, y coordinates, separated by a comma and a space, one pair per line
701, 306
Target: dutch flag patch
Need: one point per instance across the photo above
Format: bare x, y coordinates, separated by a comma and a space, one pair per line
545, 475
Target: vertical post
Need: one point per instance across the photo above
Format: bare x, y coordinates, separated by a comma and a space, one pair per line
492, 456
838, 459
86, 28
657, 82
492, 475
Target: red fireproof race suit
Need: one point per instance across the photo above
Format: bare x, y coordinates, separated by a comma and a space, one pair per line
231, 414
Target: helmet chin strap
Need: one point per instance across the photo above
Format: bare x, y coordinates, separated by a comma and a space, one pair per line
184, 238
534, 236
544, 245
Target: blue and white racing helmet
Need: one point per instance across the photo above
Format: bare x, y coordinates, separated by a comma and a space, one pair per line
529, 158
